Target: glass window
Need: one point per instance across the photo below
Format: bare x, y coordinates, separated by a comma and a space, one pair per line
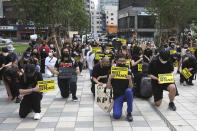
146, 22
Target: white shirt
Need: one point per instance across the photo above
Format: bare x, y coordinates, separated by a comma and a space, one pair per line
51, 63
90, 60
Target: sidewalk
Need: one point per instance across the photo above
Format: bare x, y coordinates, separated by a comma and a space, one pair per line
63, 114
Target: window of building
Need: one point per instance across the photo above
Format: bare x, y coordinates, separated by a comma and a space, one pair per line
112, 14
146, 22
112, 18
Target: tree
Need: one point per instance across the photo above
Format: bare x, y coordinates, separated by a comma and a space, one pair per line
174, 15
53, 13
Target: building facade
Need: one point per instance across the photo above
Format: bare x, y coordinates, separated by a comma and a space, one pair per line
133, 19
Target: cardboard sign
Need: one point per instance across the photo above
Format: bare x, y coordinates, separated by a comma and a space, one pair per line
96, 50
172, 52
104, 99
166, 78
128, 63
99, 56
175, 64
186, 73
140, 67
45, 86
119, 72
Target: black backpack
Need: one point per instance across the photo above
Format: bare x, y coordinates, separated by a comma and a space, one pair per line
146, 87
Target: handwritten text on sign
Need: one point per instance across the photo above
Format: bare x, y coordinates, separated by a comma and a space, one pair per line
139, 67
166, 78
48, 85
119, 72
186, 73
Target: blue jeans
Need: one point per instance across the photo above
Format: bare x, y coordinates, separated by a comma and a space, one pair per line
90, 74
118, 103
38, 68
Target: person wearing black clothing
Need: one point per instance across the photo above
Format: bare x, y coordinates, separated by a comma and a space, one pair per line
148, 53
100, 72
137, 60
30, 92
191, 65
6, 62
67, 71
122, 91
162, 65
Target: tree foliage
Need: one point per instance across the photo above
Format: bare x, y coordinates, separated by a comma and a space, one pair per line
175, 15
53, 13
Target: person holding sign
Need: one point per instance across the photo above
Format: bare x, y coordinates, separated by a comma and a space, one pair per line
100, 72
162, 66
189, 67
30, 92
67, 71
122, 90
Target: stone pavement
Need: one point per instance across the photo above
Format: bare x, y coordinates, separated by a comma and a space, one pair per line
63, 114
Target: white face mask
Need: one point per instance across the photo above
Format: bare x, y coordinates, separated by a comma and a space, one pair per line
5, 54
51, 45
50, 54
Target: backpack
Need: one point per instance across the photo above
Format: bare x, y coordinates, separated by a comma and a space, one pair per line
146, 87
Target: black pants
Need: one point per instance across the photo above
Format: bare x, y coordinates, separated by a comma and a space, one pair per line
29, 103
66, 84
42, 65
80, 66
182, 79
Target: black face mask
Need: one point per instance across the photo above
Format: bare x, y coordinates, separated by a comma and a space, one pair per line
165, 46
172, 46
65, 54
121, 65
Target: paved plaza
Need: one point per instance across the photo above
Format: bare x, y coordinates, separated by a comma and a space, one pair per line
60, 114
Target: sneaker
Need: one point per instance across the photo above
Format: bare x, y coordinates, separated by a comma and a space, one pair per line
18, 100
129, 117
37, 116
75, 99
190, 83
172, 106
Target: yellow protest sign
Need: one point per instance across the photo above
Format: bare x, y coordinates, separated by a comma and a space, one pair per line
172, 52
45, 86
96, 50
123, 41
192, 49
108, 55
186, 73
127, 62
166, 78
119, 72
140, 67
175, 64
110, 48
186, 58
99, 56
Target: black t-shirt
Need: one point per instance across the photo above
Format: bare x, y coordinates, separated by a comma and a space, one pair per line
65, 63
5, 59
31, 84
99, 71
135, 68
156, 67
119, 86
148, 53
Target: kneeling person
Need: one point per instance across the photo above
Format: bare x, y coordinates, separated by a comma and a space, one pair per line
122, 91
162, 65
30, 92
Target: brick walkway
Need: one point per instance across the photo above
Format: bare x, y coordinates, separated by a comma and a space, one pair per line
63, 114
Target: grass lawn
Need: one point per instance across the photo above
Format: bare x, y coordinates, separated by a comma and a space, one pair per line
20, 48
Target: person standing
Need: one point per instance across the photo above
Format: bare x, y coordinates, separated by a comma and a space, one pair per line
44, 51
